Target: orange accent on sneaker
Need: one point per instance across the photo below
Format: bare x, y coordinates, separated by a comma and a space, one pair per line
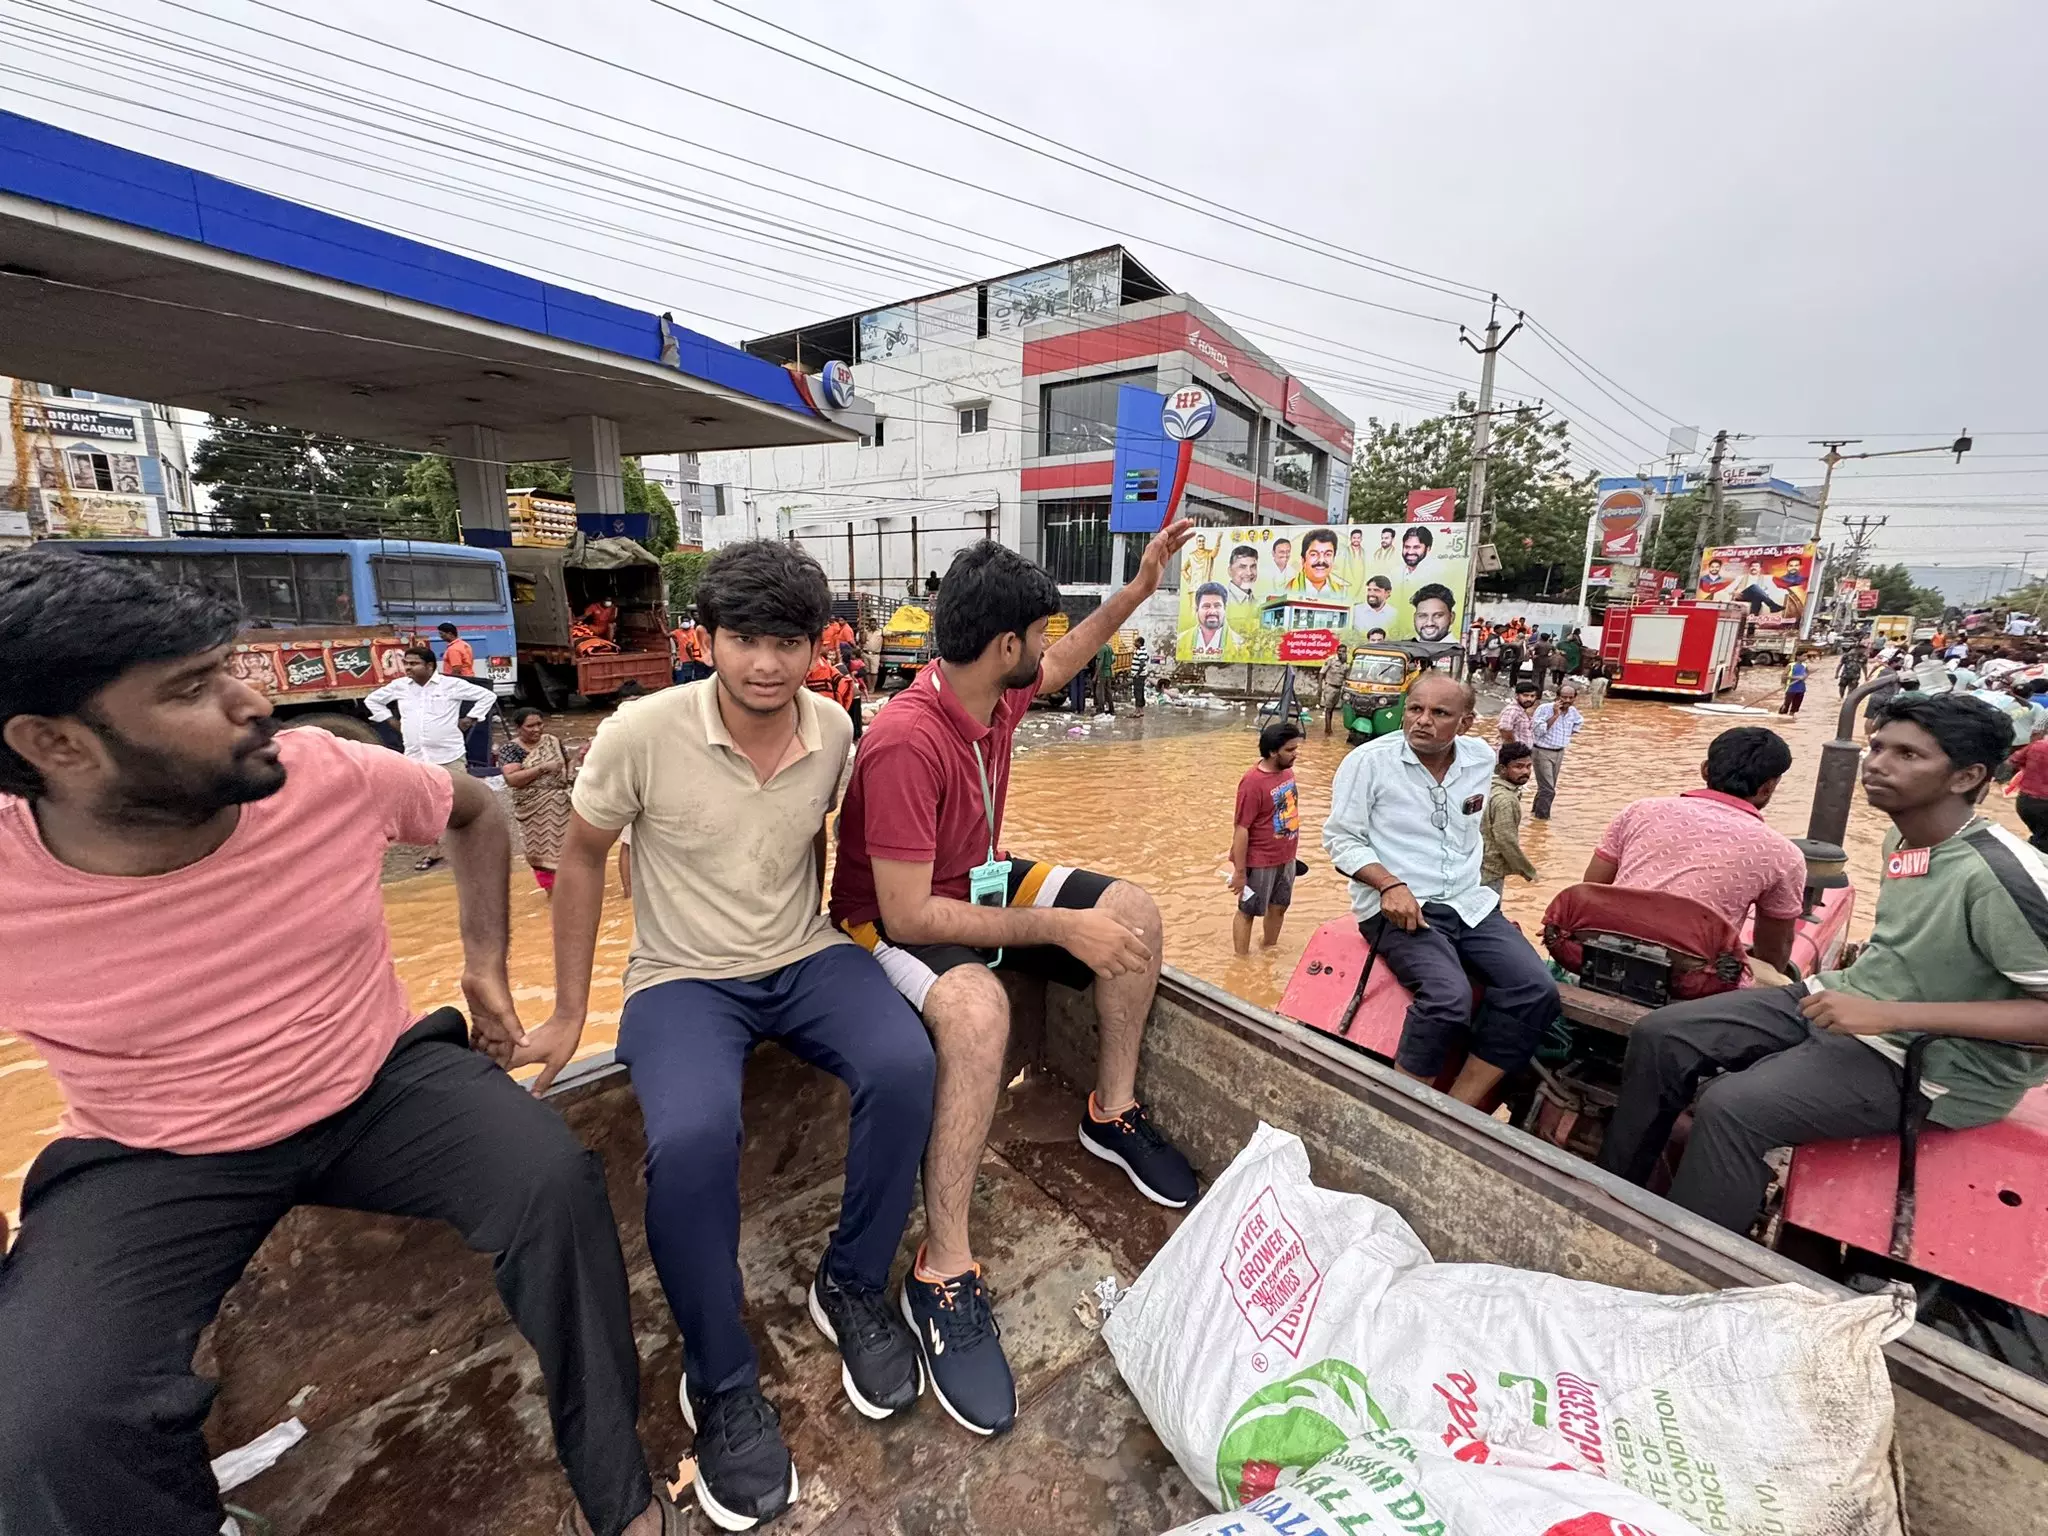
1102, 1119
930, 1277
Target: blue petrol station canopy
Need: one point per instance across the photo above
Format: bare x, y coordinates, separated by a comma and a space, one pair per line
130, 275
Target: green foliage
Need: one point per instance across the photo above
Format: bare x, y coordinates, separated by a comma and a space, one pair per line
680, 568
269, 479
429, 497
1536, 507
1678, 532
1897, 594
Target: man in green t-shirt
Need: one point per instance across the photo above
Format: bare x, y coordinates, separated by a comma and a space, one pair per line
1960, 950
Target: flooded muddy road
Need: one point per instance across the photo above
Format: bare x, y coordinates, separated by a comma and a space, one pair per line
1148, 799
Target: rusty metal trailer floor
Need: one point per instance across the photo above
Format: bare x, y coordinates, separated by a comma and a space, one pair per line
426, 1411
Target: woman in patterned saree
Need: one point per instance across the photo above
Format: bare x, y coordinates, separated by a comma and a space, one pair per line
537, 770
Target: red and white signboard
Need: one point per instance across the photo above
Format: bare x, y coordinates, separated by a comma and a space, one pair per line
1599, 575
1433, 506
1621, 525
1310, 644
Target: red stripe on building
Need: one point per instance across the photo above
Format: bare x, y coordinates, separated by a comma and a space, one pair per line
1066, 477
1301, 411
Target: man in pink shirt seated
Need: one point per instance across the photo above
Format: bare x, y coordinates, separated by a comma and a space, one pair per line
196, 945
1711, 845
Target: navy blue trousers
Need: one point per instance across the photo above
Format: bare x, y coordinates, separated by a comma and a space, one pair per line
1439, 964
686, 1044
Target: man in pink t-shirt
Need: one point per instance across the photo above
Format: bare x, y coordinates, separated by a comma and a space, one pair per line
195, 943
1711, 845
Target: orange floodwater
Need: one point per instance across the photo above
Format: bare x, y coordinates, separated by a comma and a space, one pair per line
1145, 799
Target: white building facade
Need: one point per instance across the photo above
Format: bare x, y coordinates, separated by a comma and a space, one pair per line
996, 417
75, 464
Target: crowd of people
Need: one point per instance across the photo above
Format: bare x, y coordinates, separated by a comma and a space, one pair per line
224, 1058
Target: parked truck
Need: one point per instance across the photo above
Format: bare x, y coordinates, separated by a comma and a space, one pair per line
560, 655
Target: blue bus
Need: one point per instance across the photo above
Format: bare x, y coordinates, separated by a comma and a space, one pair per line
301, 597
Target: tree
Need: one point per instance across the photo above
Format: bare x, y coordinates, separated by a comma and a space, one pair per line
681, 568
1896, 593
284, 480
1678, 532
1536, 507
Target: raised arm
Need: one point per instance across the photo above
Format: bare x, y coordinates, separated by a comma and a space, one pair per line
1072, 651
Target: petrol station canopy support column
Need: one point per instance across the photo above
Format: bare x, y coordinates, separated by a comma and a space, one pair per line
134, 276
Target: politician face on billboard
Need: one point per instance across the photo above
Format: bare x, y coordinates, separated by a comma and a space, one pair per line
1297, 594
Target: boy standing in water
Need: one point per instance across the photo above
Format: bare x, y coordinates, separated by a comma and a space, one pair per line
1265, 836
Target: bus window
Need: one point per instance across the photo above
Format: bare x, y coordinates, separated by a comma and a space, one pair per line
325, 595
409, 583
268, 595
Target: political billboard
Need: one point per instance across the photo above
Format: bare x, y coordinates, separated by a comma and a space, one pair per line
1296, 593
1772, 580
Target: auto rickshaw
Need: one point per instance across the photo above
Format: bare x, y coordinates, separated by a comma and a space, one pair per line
1379, 679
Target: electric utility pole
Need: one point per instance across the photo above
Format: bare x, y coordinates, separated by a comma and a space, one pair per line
1482, 440
1861, 531
1710, 520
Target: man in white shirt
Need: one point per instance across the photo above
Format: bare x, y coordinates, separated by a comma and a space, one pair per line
430, 709
1406, 816
1553, 726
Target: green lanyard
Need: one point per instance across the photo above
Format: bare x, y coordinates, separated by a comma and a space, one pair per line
988, 801
993, 877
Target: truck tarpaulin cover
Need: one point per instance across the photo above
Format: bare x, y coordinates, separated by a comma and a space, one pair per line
1282, 1321
588, 554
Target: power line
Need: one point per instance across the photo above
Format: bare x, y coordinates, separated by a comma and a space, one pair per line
330, 53
1329, 250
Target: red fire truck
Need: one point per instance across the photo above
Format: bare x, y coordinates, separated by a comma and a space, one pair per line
1688, 650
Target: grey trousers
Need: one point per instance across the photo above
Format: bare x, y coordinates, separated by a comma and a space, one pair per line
1781, 1083
1549, 763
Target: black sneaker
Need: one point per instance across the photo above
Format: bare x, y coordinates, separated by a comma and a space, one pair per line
879, 1365
1134, 1144
744, 1474
962, 1347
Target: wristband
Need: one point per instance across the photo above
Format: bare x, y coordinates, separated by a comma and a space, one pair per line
1391, 885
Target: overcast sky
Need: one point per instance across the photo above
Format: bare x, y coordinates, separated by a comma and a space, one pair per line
1785, 219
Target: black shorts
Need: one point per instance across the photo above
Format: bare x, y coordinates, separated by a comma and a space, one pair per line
914, 967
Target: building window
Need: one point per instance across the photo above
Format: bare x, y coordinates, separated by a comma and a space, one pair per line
877, 438
1295, 463
90, 471
1074, 540
1080, 416
1230, 439
973, 419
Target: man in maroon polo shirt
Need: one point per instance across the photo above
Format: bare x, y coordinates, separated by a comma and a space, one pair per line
923, 881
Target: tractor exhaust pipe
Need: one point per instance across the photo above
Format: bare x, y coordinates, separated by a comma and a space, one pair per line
1835, 789
1827, 858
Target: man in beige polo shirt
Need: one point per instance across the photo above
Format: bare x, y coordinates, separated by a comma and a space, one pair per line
727, 784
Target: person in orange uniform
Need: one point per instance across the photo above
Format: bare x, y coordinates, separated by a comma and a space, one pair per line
693, 661
458, 660
601, 617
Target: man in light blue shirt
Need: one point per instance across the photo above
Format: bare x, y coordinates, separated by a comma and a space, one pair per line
1406, 814
1555, 723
